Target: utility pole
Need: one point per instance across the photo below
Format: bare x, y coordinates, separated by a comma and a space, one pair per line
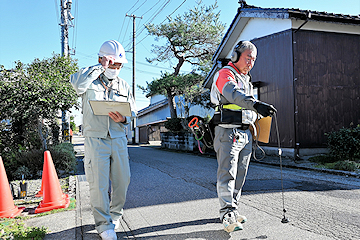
65, 23
133, 80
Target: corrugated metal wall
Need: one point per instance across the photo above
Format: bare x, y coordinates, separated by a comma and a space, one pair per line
273, 68
327, 69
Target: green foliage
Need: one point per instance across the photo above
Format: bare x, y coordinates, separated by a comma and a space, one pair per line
344, 150
174, 125
176, 85
171, 86
73, 126
63, 157
22, 171
15, 229
192, 37
31, 96
72, 206
345, 143
189, 38
323, 159
347, 165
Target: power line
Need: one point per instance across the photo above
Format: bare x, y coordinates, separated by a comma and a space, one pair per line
74, 42
153, 17
139, 7
126, 30
57, 16
133, 6
151, 8
162, 21
121, 29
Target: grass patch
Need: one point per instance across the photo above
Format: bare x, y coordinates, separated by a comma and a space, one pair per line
328, 162
15, 229
71, 207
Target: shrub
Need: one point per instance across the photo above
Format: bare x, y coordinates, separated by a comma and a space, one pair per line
323, 159
345, 143
31, 162
22, 171
64, 158
346, 165
174, 125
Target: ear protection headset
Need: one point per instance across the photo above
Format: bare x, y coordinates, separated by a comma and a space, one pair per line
235, 55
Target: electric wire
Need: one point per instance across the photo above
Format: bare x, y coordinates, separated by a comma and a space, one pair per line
122, 26
126, 31
133, 6
74, 42
57, 17
139, 7
151, 8
158, 11
162, 21
284, 220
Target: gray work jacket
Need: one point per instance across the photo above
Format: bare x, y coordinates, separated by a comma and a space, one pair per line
88, 83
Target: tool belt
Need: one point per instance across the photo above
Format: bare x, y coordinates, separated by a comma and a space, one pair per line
227, 116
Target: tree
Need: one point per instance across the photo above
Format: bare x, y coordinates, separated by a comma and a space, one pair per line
190, 38
32, 95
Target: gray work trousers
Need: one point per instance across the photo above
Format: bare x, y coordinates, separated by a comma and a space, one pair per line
107, 158
233, 150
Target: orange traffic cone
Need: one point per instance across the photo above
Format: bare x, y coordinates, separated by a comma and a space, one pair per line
40, 193
7, 206
54, 198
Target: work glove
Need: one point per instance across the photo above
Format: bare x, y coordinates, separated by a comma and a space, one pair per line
264, 109
107, 60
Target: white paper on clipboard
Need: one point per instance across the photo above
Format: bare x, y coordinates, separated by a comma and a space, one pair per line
102, 107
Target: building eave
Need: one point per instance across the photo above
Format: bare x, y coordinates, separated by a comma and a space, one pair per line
152, 107
247, 12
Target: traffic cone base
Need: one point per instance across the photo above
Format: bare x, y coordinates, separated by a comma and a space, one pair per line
40, 193
53, 197
11, 213
62, 203
7, 206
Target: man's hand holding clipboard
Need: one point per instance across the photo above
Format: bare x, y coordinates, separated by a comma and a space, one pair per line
102, 107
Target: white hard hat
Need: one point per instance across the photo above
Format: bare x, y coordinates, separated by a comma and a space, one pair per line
115, 49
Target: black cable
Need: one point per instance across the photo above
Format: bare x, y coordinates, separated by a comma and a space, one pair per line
284, 219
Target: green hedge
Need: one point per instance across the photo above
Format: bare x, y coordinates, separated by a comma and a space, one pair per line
30, 163
345, 143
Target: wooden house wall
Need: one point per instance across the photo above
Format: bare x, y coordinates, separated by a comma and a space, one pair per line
273, 68
327, 86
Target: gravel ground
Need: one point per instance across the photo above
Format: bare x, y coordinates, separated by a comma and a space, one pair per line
30, 201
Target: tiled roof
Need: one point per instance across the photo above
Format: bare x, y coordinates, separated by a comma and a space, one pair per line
304, 14
152, 107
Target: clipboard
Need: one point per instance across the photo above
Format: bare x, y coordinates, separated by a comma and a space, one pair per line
102, 107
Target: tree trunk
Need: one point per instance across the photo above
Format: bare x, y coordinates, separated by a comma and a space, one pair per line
179, 65
42, 138
171, 106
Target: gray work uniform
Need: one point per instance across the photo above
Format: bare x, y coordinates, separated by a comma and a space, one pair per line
233, 143
106, 153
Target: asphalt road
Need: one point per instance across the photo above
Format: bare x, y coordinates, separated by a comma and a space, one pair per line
320, 203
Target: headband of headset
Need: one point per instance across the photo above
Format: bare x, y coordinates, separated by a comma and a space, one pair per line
235, 55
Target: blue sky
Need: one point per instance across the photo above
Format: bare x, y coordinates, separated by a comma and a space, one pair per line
30, 29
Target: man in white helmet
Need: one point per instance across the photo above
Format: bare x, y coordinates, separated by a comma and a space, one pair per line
106, 154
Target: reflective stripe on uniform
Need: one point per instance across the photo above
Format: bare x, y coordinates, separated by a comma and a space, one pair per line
229, 106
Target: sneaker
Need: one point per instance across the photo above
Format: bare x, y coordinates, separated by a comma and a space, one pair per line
108, 235
117, 223
231, 223
240, 218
